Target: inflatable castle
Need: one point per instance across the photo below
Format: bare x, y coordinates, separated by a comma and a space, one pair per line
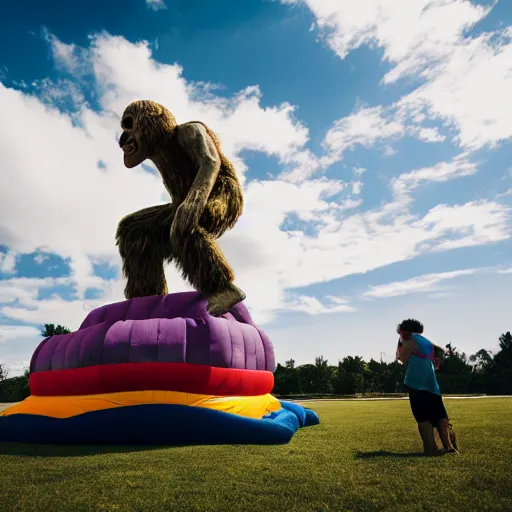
155, 370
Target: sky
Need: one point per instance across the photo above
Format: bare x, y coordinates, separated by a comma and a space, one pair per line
373, 140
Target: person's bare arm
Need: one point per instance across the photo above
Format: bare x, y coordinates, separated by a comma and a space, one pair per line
398, 346
197, 143
405, 351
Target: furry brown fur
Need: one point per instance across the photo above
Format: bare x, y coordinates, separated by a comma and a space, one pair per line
453, 437
206, 198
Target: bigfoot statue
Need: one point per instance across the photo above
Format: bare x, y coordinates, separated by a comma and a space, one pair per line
206, 201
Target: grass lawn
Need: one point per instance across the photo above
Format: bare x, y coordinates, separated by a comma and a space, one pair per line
363, 456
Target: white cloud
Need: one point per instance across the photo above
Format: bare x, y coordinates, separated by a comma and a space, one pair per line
459, 167
302, 165
428, 134
60, 94
17, 344
156, 5
357, 187
7, 263
13, 332
507, 193
313, 306
372, 239
364, 127
125, 72
470, 91
462, 81
332, 239
476, 223
412, 33
41, 258
17, 367
456, 316
67, 57
421, 284
368, 126
54, 310
389, 151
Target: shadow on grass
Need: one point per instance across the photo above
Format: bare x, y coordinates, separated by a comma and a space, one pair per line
384, 453
50, 450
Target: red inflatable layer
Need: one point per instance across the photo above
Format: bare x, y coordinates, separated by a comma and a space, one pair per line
185, 377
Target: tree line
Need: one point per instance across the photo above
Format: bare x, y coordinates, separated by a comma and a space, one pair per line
16, 389
481, 373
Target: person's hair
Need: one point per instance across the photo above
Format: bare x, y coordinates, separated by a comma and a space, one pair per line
410, 325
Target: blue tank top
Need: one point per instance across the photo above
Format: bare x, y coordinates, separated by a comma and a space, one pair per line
420, 373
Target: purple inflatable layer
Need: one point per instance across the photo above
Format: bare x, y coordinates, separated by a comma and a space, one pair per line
171, 328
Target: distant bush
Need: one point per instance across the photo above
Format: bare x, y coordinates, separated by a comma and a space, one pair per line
14, 389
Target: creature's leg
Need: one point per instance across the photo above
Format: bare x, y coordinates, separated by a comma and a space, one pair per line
144, 244
201, 261
447, 436
453, 437
439, 418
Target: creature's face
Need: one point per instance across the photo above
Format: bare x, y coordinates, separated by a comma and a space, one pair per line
130, 141
145, 125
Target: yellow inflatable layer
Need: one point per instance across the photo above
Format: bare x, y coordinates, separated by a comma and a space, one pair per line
66, 406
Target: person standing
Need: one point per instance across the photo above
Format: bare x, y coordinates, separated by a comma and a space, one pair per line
421, 383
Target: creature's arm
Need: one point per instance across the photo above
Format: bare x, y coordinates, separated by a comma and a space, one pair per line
197, 143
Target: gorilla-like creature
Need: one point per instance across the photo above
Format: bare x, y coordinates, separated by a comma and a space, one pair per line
206, 198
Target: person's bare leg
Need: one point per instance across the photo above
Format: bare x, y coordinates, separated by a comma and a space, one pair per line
427, 436
444, 427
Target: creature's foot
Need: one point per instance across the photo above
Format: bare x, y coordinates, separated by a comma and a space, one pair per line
453, 437
222, 301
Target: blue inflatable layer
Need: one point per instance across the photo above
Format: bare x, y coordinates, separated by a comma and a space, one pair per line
158, 424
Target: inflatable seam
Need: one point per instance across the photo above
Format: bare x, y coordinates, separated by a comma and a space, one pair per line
66, 353
158, 333
126, 309
55, 347
230, 341
265, 357
102, 347
104, 314
97, 354
79, 357
70, 344
36, 354
130, 344
244, 344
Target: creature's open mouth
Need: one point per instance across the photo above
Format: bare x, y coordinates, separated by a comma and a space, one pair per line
129, 147
128, 143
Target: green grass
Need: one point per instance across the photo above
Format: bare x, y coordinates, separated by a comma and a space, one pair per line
363, 456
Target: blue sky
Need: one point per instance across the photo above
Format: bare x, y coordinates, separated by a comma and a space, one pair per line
373, 141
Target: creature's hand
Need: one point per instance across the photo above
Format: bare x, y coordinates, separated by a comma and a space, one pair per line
186, 218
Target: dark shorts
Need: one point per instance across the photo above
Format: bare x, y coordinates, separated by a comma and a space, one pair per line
426, 406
